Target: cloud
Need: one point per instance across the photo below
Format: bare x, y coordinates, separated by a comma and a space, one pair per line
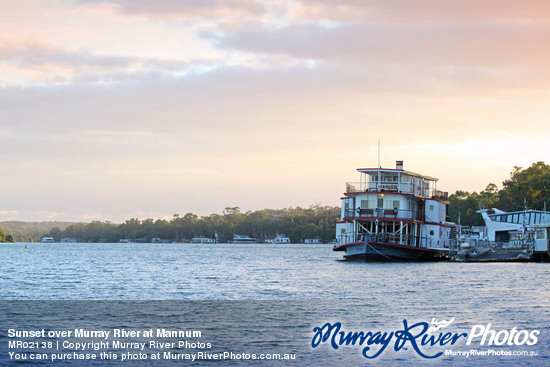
124, 111
41, 62
469, 45
424, 11
32, 53
374, 11
176, 10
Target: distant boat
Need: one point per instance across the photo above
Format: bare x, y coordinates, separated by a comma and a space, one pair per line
46, 239
312, 240
202, 239
281, 239
237, 238
68, 240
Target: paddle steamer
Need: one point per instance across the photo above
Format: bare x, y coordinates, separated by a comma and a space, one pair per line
393, 214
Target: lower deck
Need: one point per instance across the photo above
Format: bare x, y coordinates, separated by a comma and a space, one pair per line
406, 233
379, 251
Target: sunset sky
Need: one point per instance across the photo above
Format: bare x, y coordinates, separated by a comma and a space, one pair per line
138, 108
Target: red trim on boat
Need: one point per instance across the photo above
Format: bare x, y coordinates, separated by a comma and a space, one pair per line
349, 219
393, 193
342, 247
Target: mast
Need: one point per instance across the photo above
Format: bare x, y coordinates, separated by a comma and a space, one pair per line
379, 178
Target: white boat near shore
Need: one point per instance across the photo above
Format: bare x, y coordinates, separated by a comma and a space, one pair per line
279, 239
202, 239
242, 239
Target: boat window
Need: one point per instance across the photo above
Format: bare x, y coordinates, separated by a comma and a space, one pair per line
396, 204
364, 204
380, 202
540, 234
431, 233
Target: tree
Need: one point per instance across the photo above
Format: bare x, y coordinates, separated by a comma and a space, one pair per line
489, 197
530, 185
466, 205
55, 232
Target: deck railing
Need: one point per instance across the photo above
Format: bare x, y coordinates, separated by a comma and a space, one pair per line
528, 244
408, 240
403, 188
383, 213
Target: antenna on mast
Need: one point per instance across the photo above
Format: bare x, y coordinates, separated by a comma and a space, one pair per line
378, 153
379, 178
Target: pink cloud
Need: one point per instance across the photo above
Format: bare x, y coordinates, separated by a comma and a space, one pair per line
514, 46
175, 10
405, 11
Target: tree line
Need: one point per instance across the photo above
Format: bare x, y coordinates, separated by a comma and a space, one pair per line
528, 187
296, 223
5, 238
18, 231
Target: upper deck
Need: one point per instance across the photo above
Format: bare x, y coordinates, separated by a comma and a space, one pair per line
396, 181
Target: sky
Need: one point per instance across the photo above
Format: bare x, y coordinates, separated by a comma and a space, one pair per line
120, 109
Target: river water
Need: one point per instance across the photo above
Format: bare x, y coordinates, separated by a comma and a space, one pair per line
268, 298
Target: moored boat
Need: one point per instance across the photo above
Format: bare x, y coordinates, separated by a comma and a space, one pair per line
237, 238
394, 215
279, 239
202, 239
509, 236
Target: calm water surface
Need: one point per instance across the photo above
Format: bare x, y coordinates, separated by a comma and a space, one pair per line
312, 279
